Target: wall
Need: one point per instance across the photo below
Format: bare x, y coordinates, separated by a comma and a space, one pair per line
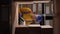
4, 16
57, 17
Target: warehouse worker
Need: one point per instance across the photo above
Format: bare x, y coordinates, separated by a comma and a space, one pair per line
38, 18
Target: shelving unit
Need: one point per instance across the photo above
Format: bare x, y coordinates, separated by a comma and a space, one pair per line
39, 27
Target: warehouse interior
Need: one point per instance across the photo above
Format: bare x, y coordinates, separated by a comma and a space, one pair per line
48, 10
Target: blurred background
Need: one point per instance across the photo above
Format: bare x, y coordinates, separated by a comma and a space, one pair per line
6, 12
